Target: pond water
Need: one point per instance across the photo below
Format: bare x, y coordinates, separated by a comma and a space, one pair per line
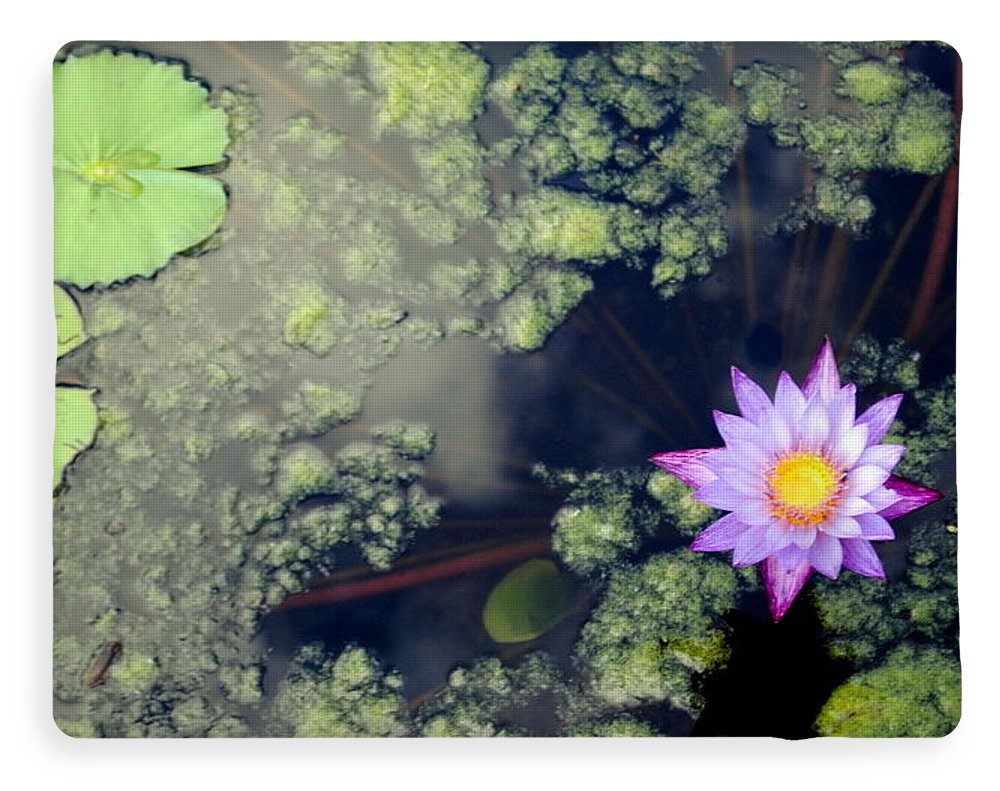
179, 533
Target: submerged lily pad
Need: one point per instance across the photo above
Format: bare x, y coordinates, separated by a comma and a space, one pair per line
76, 425
125, 126
527, 602
69, 322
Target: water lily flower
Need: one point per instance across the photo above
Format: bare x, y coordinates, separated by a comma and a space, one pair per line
808, 486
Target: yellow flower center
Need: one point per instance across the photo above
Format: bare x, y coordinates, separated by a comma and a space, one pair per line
804, 488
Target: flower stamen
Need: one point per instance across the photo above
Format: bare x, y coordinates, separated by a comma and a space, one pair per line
804, 488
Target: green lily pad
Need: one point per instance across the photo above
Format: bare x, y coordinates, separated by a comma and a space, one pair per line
527, 602
76, 425
125, 125
69, 322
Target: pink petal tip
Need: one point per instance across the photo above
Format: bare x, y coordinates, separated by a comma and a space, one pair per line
912, 496
782, 585
686, 465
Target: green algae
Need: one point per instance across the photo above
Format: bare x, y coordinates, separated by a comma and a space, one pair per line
872, 82
893, 364
323, 61
530, 87
427, 87
349, 696
603, 521
685, 514
691, 237
624, 727
830, 201
412, 441
923, 135
880, 116
538, 307
313, 319
915, 692
657, 625
771, 93
567, 226
314, 409
305, 471
487, 697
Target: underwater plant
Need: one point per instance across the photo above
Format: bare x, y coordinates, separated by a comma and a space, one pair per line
126, 129
808, 487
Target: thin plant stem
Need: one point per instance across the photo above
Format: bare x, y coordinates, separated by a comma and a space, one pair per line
638, 415
743, 205
694, 342
407, 561
651, 370
942, 320
639, 382
392, 581
826, 297
898, 246
937, 256
234, 52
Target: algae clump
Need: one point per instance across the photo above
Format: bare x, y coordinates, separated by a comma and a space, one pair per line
915, 692
427, 86
350, 696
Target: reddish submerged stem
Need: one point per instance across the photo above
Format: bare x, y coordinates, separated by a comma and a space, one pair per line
937, 257
397, 580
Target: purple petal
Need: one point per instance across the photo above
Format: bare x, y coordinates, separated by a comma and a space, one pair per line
792, 556
823, 378
826, 555
788, 400
841, 410
865, 479
719, 494
746, 482
749, 455
686, 465
783, 584
842, 527
882, 498
846, 449
815, 425
874, 527
804, 536
860, 557
879, 416
733, 428
852, 506
775, 435
754, 511
911, 497
758, 543
720, 535
752, 400
885, 456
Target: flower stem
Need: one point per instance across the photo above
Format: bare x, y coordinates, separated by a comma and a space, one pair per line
406, 578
